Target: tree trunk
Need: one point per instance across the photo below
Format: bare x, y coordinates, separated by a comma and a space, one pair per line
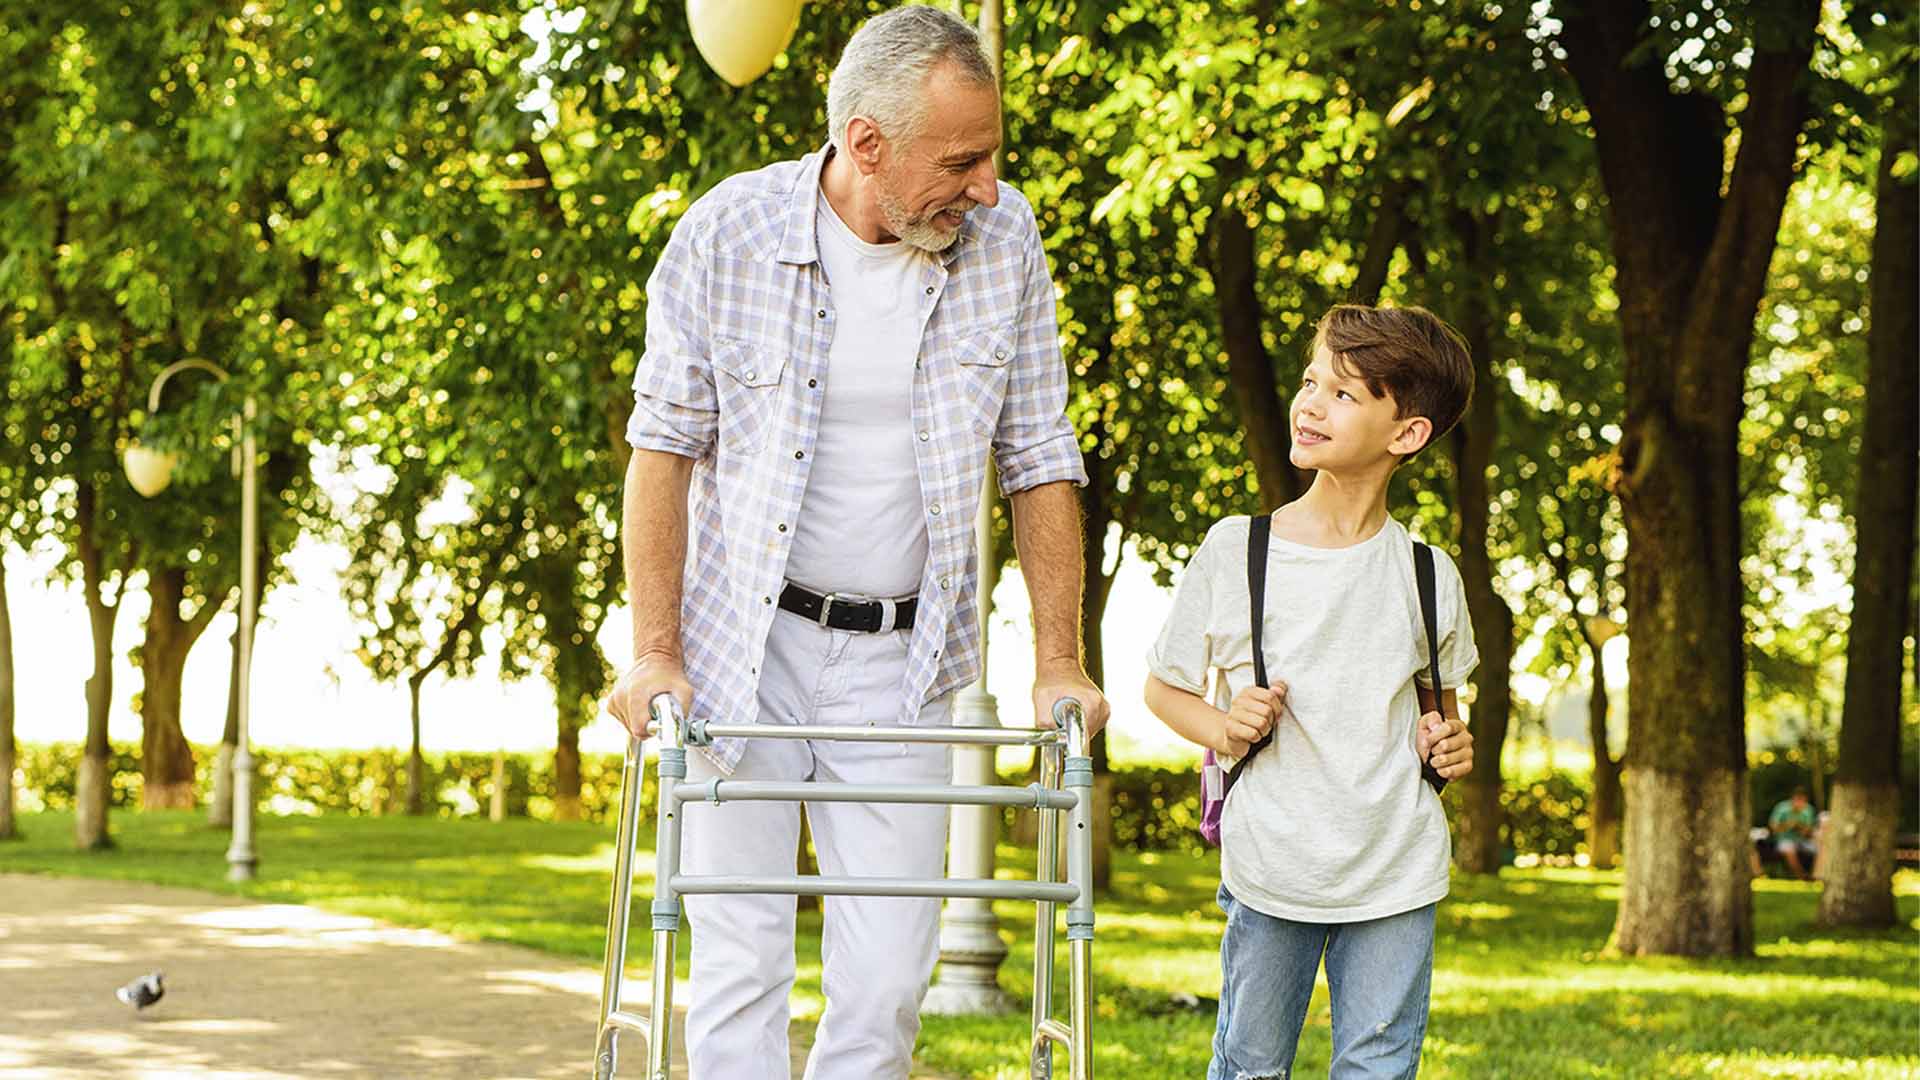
93, 792
1692, 245
576, 690
416, 762
1857, 844
497, 798
166, 760
8, 830
457, 627
1606, 810
1249, 366
1383, 239
1473, 445
220, 810
566, 770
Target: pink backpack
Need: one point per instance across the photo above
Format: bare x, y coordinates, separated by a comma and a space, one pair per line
1215, 782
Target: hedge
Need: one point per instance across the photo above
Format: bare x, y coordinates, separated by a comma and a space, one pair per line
1155, 808
301, 781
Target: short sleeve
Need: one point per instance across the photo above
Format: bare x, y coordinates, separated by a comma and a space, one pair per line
1183, 653
1458, 653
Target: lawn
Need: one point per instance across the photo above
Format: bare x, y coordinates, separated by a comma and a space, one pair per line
1522, 987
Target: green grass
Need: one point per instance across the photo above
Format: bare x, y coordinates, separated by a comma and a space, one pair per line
1522, 986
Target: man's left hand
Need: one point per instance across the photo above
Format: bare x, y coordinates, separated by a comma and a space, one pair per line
1446, 744
1066, 679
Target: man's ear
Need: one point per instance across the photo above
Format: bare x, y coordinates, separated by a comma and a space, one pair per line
1412, 437
865, 146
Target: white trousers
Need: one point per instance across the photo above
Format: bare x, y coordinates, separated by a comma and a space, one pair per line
877, 953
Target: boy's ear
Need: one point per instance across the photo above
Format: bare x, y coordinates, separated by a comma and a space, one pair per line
1412, 436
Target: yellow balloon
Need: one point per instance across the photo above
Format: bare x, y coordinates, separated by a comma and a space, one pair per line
148, 470
740, 38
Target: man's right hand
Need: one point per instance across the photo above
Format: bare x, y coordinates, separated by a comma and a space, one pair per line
648, 678
1250, 717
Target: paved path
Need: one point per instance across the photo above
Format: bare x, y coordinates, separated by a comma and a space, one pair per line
272, 991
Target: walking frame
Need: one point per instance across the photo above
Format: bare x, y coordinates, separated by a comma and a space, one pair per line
1066, 785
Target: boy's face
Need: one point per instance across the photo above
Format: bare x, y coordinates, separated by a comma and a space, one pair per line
1339, 424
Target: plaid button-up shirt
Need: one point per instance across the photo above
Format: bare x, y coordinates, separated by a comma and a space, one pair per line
739, 321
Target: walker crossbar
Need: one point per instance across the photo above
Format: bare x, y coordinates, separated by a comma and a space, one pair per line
1033, 797
1065, 787
699, 733
812, 885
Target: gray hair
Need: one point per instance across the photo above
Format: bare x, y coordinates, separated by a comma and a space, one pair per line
882, 74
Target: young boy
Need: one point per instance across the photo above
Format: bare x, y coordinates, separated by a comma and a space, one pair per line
1331, 842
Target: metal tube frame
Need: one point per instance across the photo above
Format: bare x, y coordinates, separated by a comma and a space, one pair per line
1066, 787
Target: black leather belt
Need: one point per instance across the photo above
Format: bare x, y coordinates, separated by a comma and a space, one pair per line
839, 613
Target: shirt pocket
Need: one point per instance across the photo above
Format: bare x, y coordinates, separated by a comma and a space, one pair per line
985, 356
746, 384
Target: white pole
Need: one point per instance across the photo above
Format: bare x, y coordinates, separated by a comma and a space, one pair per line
240, 857
970, 947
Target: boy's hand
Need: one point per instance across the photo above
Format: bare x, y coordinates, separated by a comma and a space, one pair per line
1250, 717
1446, 744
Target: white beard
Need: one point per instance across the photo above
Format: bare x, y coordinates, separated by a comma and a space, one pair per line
924, 235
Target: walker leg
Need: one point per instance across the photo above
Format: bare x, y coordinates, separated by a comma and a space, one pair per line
607, 1051
666, 914
1046, 868
1079, 780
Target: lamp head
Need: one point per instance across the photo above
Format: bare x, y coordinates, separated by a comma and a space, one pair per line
148, 470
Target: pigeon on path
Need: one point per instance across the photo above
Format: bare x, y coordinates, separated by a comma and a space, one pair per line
142, 991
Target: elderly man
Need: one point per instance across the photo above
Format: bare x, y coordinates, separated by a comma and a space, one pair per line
832, 346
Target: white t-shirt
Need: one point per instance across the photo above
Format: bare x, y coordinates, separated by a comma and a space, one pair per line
862, 525
1331, 822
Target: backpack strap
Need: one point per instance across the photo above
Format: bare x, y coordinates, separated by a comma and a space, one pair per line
1258, 531
1423, 580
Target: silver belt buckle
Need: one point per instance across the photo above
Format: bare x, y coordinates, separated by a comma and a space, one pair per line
889, 615
826, 606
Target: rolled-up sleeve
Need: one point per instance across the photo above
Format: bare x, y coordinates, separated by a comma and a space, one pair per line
674, 409
1035, 444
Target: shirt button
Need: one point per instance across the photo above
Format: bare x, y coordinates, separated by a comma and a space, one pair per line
820, 314
782, 526
923, 436
944, 582
811, 383
998, 354
769, 599
799, 455
929, 290
750, 374
934, 509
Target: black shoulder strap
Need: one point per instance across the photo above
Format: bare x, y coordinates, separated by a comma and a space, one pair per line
1423, 580
1258, 531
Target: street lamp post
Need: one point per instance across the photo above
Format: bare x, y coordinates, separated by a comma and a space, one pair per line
150, 472
970, 947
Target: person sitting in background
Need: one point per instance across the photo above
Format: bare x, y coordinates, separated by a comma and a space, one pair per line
1794, 825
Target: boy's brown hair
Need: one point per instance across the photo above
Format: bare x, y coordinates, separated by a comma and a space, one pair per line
1406, 353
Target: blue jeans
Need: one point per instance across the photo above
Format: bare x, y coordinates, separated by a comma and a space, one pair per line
1380, 972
